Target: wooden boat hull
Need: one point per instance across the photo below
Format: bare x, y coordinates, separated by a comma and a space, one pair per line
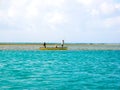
53, 48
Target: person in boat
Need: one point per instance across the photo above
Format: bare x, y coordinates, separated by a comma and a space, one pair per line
62, 44
44, 44
56, 46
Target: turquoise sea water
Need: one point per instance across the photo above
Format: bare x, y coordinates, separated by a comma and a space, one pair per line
60, 70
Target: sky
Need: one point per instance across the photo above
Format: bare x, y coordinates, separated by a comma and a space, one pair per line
75, 21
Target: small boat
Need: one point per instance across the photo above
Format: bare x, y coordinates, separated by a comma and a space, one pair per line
53, 48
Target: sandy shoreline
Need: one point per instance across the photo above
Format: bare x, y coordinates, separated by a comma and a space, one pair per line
36, 46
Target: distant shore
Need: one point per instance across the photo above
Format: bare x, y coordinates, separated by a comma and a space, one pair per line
71, 46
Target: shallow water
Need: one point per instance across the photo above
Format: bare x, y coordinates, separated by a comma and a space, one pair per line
70, 46
60, 70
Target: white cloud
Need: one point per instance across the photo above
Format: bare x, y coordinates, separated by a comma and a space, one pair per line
32, 9
38, 7
99, 7
55, 18
57, 3
94, 12
85, 2
16, 8
110, 22
31, 12
117, 6
36, 17
107, 8
12, 12
1, 14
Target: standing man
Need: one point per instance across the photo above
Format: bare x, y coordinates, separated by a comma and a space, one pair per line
62, 43
44, 44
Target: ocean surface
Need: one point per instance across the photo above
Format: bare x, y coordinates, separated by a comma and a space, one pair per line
60, 70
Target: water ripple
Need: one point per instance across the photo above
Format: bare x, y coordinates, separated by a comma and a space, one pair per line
59, 70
